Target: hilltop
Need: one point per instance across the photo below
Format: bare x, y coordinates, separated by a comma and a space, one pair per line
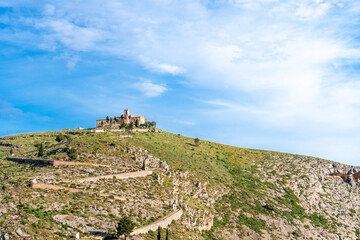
223, 192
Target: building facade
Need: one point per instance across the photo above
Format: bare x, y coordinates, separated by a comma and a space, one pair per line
125, 118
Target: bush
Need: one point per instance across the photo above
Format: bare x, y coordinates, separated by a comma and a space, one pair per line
197, 141
72, 153
62, 138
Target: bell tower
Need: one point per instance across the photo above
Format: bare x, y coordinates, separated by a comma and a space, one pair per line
126, 113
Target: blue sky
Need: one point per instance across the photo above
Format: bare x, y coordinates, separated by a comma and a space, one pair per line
267, 74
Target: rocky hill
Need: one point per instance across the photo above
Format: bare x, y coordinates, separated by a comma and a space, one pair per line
210, 191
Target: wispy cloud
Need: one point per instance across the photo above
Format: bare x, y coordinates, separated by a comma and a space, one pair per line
68, 34
149, 88
8, 111
155, 66
184, 122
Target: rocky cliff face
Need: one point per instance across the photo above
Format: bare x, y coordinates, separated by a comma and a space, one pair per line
321, 193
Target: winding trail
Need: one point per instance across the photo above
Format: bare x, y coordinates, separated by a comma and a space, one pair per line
118, 176
163, 223
74, 190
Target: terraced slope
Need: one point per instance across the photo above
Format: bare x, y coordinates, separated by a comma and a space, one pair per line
225, 192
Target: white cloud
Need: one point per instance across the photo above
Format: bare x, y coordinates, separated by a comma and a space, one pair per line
7, 111
312, 11
155, 66
150, 89
71, 60
184, 122
68, 34
49, 9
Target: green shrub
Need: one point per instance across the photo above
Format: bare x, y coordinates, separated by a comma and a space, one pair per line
72, 153
60, 138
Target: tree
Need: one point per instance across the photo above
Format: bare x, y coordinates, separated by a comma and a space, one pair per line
130, 127
107, 118
153, 123
144, 165
11, 151
197, 141
147, 124
41, 151
123, 125
122, 116
159, 233
124, 227
137, 123
72, 153
167, 234
60, 138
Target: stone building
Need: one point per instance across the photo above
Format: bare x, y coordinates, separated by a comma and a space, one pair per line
125, 118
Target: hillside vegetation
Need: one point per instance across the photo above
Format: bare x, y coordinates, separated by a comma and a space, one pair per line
225, 192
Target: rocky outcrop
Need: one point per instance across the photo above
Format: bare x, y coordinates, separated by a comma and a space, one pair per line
142, 156
323, 187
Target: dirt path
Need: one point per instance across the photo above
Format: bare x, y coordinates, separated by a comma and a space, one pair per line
118, 176
164, 222
73, 190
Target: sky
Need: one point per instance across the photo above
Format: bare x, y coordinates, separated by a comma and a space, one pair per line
264, 74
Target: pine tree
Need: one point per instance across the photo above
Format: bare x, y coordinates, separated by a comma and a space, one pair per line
167, 234
143, 166
124, 227
159, 233
41, 151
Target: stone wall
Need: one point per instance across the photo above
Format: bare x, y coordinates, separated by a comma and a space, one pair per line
73, 190
133, 130
161, 223
29, 160
54, 162
118, 176
66, 163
